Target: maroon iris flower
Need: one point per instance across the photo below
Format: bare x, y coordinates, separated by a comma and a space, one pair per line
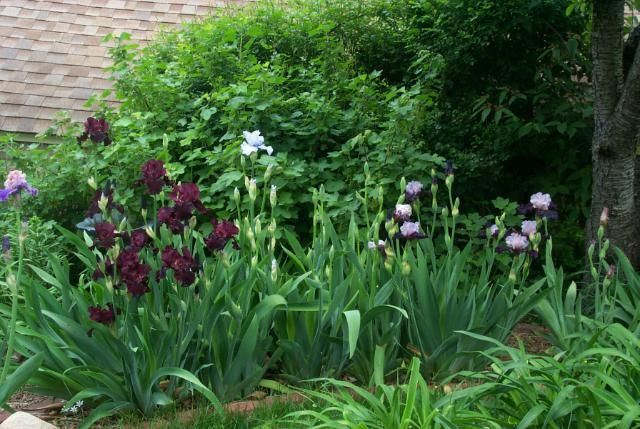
106, 315
184, 266
225, 229
97, 130
169, 216
138, 240
187, 196
105, 235
154, 176
222, 233
133, 273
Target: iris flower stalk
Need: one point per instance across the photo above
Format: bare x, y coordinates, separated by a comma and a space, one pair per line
14, 186
13, 281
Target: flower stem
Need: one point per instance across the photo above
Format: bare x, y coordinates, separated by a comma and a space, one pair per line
14, 302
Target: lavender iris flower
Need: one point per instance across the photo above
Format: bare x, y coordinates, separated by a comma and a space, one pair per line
15, 183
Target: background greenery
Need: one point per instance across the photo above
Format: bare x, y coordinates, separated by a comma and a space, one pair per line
498, 87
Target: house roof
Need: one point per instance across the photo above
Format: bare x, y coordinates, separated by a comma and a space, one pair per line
52, 58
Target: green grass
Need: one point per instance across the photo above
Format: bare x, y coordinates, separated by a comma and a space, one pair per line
265, 416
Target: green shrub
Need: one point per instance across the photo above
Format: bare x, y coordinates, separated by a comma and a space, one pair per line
289, 73
514, 110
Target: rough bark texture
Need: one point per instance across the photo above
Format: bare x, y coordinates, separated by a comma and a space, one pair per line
617, 124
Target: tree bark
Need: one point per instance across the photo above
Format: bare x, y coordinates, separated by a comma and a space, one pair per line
617, 125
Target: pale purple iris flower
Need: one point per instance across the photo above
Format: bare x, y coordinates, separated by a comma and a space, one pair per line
517, 243
15, 183
373, 245
529, 227
411, 230
402, 212
540, 201
413, 190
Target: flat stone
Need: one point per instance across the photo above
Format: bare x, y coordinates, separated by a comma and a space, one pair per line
22, 420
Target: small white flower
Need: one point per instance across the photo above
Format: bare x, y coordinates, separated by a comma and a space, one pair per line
494, 230
540, 201
402, 212
74, 408
517, 242
529, 227
253, 141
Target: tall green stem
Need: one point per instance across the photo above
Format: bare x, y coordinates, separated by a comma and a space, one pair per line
14, 302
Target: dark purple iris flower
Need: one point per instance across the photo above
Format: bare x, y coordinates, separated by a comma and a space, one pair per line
186, 196
138, 240
105, 235
169, 216
154, 176
96, 130
221, 234
106, 315
133, 273
449, 168
184, 266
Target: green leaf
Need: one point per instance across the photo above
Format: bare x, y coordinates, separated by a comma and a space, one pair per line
46, 277
353, 327
531, 416
20, 376
189, 377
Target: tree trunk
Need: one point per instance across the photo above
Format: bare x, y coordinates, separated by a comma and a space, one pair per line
617, 123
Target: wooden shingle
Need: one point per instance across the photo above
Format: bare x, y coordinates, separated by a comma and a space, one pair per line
52, 58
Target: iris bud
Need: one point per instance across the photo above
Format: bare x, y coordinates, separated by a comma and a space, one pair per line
273, 196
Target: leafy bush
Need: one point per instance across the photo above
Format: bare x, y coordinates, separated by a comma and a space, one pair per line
514, 110
287, 73
61, 171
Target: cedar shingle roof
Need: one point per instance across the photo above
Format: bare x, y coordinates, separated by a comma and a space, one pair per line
52, 58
